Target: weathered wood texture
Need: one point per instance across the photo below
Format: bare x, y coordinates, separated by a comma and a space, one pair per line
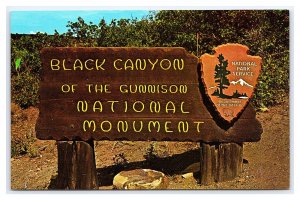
59, 118
220, 162
76, 166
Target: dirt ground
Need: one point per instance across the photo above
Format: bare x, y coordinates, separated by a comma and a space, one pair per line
266, 163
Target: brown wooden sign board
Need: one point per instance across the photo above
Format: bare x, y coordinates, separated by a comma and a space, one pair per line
131, 94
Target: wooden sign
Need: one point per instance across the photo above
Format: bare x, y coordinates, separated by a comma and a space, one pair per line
229, 77
130, 94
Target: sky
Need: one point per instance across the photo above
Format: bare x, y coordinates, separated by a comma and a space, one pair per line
30, 22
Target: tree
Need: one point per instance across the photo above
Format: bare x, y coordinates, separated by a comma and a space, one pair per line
221, 75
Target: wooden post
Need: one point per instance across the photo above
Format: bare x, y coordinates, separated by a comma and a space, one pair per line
76, 165
220, 162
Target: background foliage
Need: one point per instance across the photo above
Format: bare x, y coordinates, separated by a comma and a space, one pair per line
265, 32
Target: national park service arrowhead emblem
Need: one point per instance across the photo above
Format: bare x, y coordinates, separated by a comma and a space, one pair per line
230, 77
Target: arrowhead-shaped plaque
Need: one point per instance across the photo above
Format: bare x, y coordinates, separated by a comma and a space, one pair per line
230, 77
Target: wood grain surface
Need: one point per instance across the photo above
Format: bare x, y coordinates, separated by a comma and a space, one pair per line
61, 117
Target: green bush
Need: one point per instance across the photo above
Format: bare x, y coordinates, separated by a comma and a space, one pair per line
25, 77
23, 146
273, 83
24, 89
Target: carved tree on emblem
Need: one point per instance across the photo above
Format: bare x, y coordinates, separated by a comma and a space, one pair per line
221, 73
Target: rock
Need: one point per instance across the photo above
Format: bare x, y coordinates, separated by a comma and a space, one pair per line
140, 179
188, 175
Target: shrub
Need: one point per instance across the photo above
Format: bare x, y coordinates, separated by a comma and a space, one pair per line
22, 144
273, 83
120, 159
151, 152
24, 89
33, 151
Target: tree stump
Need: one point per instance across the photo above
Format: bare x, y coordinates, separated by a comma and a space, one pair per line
220, 162
140, 179
76, 165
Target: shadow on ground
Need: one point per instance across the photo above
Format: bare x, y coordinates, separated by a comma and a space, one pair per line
172, 165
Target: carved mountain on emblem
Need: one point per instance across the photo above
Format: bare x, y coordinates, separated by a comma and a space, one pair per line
230, 76
241, 82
